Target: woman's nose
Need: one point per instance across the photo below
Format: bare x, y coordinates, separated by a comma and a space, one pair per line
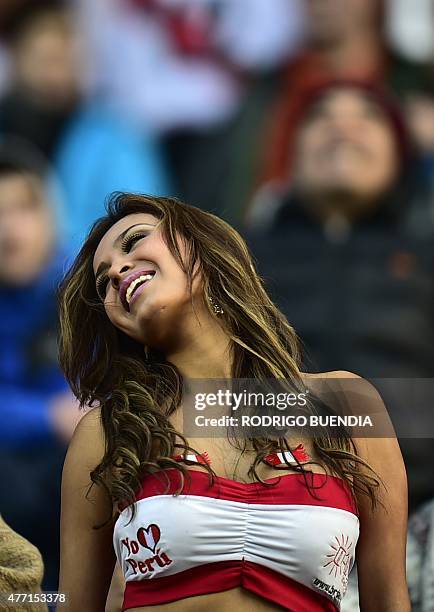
117, 275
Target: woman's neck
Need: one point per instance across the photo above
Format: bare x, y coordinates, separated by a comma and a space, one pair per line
204, 354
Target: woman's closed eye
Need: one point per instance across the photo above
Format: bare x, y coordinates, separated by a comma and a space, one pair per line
101, 286
128, 241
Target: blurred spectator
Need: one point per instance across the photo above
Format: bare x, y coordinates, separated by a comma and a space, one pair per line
419, 107
420, 113
182, 59
222, 167
420, 558
7, 7
411, 31
21, 568
349, 249
94, 152
347, 40
37, 410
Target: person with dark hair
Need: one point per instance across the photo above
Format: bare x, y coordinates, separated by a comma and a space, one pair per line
160, 294
37, 410
348, 39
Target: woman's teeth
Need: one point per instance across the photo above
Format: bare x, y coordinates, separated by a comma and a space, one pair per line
135, 283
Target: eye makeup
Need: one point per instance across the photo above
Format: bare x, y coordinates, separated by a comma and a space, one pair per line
127, 242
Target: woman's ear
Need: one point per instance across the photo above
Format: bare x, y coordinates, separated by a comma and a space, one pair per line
197, 281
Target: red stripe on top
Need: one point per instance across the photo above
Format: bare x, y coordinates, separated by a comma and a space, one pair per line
291, 488
223, 576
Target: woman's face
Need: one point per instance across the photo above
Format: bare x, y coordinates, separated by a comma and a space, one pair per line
144, 290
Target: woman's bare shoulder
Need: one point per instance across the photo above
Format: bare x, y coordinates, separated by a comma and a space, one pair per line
349, 395
92, 417
336, 386
332, 374
340, 382
87, 445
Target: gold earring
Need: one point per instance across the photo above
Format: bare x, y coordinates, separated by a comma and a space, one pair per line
218, 310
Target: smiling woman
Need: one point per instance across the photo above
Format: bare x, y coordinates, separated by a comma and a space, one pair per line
159, 294
157, 278
132, 280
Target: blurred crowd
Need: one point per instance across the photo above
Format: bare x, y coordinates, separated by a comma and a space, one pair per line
307, 125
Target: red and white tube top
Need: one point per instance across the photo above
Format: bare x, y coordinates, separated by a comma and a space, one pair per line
282, 543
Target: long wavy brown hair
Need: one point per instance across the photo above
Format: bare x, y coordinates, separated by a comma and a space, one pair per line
137, 391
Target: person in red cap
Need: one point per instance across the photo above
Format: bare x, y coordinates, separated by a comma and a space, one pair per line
335, 109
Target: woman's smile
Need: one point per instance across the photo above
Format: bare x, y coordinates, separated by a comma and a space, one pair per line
130, 283
137, 287
126, 259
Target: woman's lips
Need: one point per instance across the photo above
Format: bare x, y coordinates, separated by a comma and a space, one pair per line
138, 291
126, 283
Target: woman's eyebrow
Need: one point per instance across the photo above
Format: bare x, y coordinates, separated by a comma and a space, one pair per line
103, 266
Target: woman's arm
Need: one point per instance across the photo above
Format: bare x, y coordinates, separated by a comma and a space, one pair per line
87, 557
381, 549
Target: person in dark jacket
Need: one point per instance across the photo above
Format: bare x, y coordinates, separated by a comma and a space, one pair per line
37, 410
348, 253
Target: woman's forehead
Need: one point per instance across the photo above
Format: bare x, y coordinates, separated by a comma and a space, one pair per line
106, 243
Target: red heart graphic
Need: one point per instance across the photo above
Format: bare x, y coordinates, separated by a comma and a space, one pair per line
149, 536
